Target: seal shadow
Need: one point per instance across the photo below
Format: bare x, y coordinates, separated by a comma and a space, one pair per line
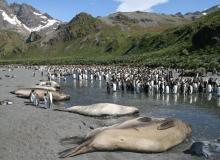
37, 107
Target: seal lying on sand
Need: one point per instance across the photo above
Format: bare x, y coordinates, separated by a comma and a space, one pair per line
102, 110
25, 93
49, 84
146, 135
45, 87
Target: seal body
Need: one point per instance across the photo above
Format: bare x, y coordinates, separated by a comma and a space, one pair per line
49, 84
102, 109
25, 93
146, 135
45, 87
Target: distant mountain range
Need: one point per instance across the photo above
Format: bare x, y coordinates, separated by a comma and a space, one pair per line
191, 40
24, 19
195, 15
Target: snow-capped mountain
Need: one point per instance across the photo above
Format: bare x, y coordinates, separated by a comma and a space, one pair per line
25, 19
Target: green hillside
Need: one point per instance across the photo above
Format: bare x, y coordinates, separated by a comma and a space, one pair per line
88, 40
191, 46
11, 44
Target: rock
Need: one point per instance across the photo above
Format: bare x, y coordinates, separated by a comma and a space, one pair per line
205, 149
34, 36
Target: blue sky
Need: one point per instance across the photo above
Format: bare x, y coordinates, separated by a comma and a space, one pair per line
66, 9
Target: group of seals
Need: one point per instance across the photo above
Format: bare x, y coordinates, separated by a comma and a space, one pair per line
146, 135
41, 89
143, 134
102, 110
25, 93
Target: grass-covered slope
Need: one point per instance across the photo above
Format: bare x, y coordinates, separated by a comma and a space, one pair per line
83, 37
192, 46
11, 44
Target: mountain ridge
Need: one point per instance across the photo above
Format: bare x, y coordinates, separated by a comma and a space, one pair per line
91, 40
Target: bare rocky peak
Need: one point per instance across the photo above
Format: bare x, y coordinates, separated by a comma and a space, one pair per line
25, 14
28, 15
144, 19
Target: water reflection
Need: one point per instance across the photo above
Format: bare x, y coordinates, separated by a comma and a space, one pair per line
175, 99
218, 102
195, 98
100, 84
209, 97
168, 99
74, 83
190, 99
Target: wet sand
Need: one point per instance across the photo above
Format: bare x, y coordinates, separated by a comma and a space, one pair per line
29, 133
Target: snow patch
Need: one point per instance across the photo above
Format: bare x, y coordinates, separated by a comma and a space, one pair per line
27, 28
12, 20
15, 21
49, 23
204, 14
44, 17
37, 14
218, 6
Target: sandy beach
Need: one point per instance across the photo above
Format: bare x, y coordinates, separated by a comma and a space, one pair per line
29, 133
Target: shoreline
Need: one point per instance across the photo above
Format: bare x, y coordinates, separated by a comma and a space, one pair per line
119, 61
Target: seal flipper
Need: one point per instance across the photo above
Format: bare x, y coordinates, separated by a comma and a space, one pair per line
64, 153
81, 149
166, 124
72, 140
12, 92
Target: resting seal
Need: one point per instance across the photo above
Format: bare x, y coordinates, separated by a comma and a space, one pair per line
25, 93
101, 110
146, 135
45, 87
49, 84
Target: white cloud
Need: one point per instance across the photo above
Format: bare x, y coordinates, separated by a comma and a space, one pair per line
138, 5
